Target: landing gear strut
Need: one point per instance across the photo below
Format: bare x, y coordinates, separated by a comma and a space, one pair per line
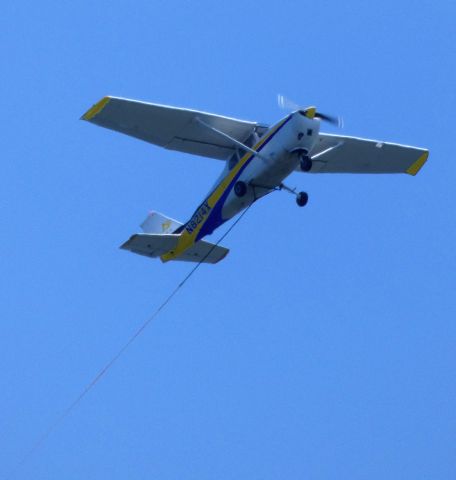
240, 189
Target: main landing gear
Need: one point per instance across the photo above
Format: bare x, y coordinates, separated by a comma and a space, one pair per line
301, 197
240, 189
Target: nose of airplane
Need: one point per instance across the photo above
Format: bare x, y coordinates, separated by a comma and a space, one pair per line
309, 112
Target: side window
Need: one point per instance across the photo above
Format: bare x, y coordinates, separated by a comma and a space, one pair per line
241, 152
238, 154
251, 140
232, 161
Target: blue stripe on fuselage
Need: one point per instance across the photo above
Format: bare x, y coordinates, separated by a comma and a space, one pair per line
215, 219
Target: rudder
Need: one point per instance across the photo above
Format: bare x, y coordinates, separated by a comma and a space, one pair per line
156, 222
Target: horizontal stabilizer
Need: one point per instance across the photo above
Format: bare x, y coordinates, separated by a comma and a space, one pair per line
155, 245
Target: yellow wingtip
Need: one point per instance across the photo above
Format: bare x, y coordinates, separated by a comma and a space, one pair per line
95, 109
416, 167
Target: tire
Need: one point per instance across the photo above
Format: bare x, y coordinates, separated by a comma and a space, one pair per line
305, 163
240, 189
302, 198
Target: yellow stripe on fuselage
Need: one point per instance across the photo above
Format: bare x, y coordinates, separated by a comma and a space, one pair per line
186, 239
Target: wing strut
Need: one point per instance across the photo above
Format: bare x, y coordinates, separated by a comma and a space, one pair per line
315, 158
231, 139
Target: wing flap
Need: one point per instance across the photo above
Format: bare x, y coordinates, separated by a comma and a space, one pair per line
170, 127
342, 154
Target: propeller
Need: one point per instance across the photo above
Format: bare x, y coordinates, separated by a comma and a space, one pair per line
287, 104
337, 121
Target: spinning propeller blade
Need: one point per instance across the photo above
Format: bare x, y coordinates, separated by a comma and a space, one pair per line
337, 121
286, 104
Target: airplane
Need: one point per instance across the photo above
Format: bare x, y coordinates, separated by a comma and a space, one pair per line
257, 159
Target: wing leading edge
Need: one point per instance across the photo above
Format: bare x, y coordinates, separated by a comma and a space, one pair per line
342, 154
170, 127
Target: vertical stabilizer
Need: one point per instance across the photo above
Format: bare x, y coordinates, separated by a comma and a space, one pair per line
158, 223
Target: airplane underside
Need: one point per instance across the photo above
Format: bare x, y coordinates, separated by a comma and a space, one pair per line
257, 158
258, 182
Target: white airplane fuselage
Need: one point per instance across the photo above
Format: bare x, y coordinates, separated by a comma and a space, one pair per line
258, 165
279, 158
261, 169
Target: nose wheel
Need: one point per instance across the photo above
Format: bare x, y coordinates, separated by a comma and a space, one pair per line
305, 163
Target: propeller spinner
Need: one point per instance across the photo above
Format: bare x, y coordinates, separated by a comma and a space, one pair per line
310, 112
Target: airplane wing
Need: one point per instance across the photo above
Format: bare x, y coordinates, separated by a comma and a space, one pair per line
170, 127
341, 154
154, 245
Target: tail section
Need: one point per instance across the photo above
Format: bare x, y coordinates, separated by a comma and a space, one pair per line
156, 222
158, 240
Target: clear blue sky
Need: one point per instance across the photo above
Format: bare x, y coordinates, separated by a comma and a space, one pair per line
323, 346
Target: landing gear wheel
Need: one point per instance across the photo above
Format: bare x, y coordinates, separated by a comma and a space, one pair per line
302, 198
240, 189
305, 163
